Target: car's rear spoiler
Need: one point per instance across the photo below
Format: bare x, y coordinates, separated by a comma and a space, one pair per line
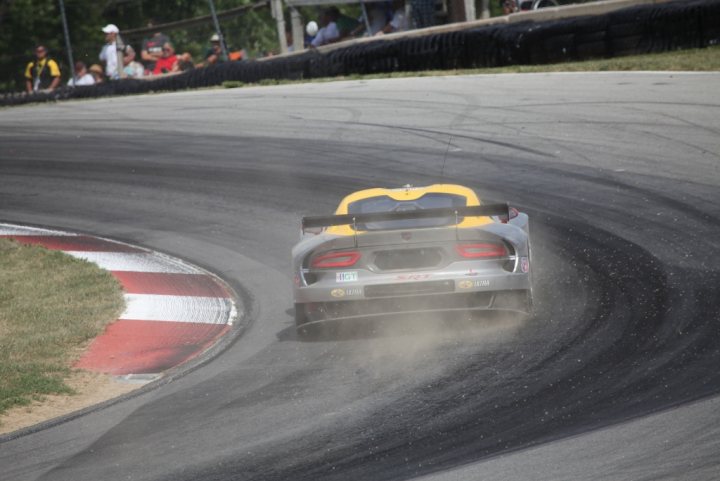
353, 219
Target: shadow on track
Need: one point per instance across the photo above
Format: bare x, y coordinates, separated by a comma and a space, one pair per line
404, 325
642, 336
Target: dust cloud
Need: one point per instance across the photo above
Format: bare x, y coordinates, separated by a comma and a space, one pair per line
426, 344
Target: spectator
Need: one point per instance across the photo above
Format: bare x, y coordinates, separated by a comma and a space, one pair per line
134, 69
184, 62
97, 72
214, 54
42, 73
423, 12
167, 62
328, 32
82, 76
108, 53
508, 6
237, 55
152, 47
311, 30
399, 21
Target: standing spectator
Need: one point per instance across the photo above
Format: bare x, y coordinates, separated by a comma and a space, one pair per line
329, 32
82, 76
108, 53
42, 73
167, 62
423, 12
152, 47
214, 54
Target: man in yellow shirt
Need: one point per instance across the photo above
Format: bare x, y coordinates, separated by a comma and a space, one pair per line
42, 73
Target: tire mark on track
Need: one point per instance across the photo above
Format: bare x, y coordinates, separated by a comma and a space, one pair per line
620, 361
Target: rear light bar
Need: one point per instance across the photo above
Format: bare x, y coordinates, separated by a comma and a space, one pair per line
481, 250
335, 259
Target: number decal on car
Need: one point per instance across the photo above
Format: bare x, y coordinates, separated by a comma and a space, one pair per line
351, 276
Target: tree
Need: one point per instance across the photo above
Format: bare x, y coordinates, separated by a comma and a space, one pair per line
26, 23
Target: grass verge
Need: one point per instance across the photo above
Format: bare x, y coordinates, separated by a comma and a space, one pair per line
51, 305
694, 60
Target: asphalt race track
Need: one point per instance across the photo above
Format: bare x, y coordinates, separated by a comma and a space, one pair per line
616, 377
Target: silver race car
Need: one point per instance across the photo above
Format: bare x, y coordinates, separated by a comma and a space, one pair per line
411, 250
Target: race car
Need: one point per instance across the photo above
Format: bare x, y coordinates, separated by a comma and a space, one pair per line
411, 250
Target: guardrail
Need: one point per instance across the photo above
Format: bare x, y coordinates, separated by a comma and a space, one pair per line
607, 29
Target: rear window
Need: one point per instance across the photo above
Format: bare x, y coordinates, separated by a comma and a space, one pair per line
384, 203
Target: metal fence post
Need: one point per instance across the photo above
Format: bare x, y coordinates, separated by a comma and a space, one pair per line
68, 45
298, 32
217, 29
276, 7
484, 8
120, 56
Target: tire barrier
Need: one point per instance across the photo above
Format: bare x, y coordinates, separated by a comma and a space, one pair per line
635, 30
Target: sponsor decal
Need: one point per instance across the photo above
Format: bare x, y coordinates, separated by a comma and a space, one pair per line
412, 277
465, 284
351, 276
471, 284
338, 293
525, 264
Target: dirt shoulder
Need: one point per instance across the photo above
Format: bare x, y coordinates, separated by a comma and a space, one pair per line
91, 388
52, 306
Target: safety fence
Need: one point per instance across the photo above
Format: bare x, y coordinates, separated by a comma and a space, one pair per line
634, 30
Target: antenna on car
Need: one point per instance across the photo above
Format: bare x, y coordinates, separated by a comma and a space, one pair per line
442, 170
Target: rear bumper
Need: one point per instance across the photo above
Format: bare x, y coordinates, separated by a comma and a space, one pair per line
508, 300
411, 285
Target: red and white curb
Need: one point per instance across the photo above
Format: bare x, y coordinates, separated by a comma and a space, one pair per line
174, 311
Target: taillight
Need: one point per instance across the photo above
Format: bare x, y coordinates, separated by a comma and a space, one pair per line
335, 259
481, 250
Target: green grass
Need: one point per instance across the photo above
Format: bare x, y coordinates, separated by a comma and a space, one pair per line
51, 305
695, 60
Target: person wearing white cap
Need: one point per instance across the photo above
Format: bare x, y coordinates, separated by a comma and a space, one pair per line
113, 48
214, 54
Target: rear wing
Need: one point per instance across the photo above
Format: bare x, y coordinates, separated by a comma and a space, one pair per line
354, 219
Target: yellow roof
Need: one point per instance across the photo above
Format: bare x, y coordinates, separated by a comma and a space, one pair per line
410, 193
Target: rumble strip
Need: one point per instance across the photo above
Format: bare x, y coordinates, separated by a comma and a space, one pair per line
174, 310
